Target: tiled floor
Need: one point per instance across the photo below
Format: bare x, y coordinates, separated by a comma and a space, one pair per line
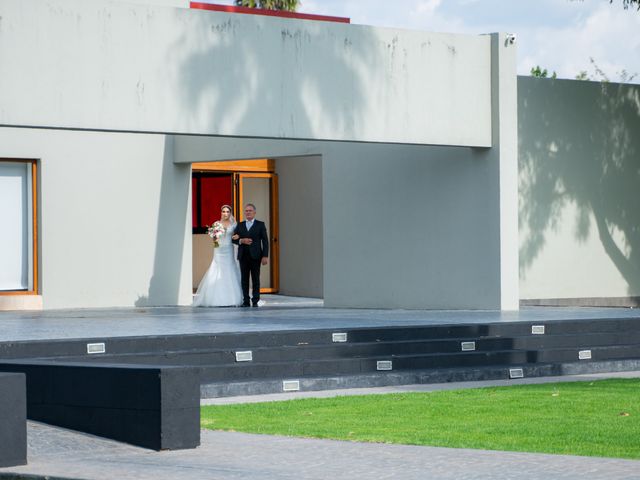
278, 313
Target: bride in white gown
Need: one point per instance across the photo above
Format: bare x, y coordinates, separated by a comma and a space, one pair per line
220, 286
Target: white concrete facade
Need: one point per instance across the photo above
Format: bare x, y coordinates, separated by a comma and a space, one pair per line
147, 68
579, 156
396, 150
114, 217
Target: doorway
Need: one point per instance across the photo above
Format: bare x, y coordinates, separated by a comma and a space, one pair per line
234, 183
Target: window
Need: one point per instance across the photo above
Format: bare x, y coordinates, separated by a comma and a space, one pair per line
18, 235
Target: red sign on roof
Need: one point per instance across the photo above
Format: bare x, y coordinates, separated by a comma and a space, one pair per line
270, 13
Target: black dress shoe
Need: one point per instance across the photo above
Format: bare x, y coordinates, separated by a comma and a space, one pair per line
255, 304
246, 305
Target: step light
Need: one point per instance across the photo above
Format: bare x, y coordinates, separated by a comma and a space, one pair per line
537, 329
95, 348
584, 355
246, 356
468, 346
516, 373
339, 337
384, 365
290, 385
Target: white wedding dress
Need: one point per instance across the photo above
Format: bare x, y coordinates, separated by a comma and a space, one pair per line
220, 286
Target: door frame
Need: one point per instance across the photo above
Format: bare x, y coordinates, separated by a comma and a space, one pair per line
255, 168
34, 288
274, 254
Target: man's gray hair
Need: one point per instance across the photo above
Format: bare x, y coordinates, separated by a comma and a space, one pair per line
250, 205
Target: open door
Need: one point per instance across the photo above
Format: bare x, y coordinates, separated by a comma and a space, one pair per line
235, 183
261, 189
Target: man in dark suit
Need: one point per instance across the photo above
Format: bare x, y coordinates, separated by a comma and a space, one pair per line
253, 251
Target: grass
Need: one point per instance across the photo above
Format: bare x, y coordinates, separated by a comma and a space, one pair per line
600, 418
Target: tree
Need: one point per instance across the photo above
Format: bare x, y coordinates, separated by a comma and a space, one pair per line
629, 3
626, 3
599, 75
541, 73
288, 5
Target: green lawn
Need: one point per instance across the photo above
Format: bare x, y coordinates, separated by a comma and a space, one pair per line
583, 418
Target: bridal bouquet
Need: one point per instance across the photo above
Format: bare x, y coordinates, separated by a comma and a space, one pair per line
215, 231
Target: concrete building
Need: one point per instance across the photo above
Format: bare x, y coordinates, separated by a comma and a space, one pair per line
391, 171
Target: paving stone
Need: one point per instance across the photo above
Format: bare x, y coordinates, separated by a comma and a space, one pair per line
231, 456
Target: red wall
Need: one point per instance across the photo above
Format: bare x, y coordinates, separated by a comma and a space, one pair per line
210, 192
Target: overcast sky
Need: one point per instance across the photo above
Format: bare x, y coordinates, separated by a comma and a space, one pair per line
559, 35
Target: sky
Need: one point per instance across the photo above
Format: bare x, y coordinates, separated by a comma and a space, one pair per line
558, 35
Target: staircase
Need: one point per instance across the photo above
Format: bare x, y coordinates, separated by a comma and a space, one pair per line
269, 362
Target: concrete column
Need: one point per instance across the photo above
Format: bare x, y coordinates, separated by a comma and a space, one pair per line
504, 157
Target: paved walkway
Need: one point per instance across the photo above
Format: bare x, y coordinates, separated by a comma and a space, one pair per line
56, 452
232, 456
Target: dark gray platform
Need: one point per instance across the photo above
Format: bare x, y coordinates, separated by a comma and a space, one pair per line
278, 314
13, 420
152, 407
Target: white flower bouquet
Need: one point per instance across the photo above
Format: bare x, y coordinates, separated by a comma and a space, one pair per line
215, 231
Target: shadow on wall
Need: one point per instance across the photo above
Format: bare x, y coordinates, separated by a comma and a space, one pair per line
238, 73
164, 286
579, 142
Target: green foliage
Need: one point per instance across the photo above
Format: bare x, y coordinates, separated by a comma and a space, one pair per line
541, 73
583, 418
599, 75
288, 5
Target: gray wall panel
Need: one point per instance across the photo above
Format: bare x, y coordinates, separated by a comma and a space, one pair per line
301, 247
579, 178
406, 227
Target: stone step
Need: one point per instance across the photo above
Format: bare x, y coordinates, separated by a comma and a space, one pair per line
234, 341
361, 350
413, 377
353, 366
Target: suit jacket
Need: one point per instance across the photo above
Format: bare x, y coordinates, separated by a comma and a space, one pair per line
258, 233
